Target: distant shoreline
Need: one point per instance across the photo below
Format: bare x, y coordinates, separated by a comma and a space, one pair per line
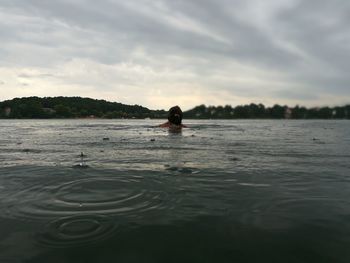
87, 108
250, 119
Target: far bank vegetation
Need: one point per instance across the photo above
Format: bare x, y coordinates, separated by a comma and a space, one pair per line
77, 107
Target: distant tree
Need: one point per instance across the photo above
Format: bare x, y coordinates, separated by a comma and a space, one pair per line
277, 112
339, 113
241, 112
256, 111
347, 111
325, 113
83, 113
299, 112
228, 112
62, 111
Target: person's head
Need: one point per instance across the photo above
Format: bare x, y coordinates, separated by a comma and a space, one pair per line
175, 115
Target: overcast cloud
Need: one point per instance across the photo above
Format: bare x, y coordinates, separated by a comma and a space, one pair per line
158, 53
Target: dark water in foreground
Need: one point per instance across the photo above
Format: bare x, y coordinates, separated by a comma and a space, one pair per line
235, 191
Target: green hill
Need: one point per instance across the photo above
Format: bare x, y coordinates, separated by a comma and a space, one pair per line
72, 107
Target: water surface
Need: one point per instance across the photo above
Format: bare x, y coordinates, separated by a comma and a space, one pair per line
220, 191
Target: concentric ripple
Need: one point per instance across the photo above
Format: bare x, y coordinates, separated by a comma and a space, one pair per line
76, 231
109, 195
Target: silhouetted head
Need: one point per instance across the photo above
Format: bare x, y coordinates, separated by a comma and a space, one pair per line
175, 115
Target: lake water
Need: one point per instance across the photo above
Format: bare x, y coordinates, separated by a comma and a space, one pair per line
220, 191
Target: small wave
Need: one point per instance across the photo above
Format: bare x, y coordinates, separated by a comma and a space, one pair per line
81, 165
30, 150
254, 185
182, 170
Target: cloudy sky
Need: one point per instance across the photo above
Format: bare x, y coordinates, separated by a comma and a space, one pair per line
158, 53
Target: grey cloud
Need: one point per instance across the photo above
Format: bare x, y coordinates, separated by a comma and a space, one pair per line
124, 24
320, 29
297, 95
248, 43
306, 42
24, 76
31, 76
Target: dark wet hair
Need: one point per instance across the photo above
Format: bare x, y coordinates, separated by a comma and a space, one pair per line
175, 115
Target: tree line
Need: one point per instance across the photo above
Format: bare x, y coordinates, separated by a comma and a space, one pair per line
77, 107
259, 111
72, 107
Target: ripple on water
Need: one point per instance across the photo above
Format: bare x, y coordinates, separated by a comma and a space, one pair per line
77, 231
182, 170
111, 195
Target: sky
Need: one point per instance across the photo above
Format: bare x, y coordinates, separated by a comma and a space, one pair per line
160, 53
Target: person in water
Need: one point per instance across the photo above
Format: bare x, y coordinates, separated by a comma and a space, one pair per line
174, 119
